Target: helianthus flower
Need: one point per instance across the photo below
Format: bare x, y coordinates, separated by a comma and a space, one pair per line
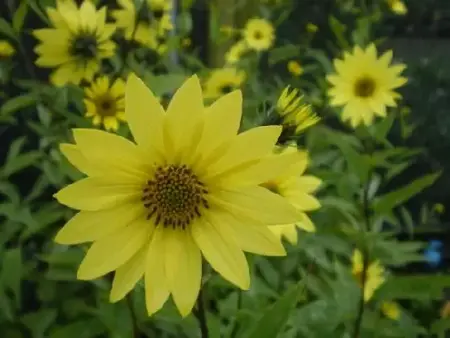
189, 187
397, 6
6, 49
105, 102
222, 81
76, 45
295, 68
364, 85
146, 23
296, 188
236, 52
295, 113
259, 34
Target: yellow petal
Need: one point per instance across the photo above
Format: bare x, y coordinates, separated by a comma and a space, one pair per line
115, 154
288, 231
93, 193
257, 204
113, 251
306, 224
183, 269
156, 287
128, 275
218, 247
74, 156
144, 114
89, 226
302, 201
306, 184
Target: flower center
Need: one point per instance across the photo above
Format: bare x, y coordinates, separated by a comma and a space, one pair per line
226, 89
84, 46
158, 14
258, 35
175, 196
106, 106
364, 87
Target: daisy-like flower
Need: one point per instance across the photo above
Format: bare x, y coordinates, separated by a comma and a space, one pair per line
259, 34
146, 23
236, 52
6, 49
295, 113
105, 102
397, 6
76, 45
296, 188
295, 68
189, 187
365, 84
222, 81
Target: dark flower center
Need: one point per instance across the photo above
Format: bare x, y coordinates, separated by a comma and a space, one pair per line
84, 46
258, 35
106, 106
158, 14
364, 87
226, 89
175, 196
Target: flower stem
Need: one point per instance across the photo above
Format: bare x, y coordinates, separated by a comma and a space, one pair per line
200, 313
235, 330
135, 329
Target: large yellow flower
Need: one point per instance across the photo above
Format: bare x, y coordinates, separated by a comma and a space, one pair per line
222, 81
364, 84
105, 102
189, 186
78, 42
146, 23
296, 188
259, 34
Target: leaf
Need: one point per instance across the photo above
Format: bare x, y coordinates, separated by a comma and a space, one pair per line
20, 162
18, 103
6, 29
6, 307
11, 273
88, 328
35, 7
420, 287
19, 16
275, 317
395, 198
338, 28
383, 127
38, 322
283, 53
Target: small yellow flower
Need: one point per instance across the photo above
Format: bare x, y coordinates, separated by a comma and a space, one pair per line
295, 68
397, 6
439, 208
365, 85
294, 111
296, 188
222, 81
236, 52
311, 28
186, 42
374, 274
105, 102
6, 49
445, 310
390, 310
259, 34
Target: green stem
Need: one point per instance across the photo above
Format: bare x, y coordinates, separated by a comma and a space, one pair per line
200, 313
135, 329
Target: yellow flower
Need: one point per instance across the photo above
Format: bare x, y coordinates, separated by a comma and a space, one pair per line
189, 187
236, 52
445, 310
296, 188
311, 28
6, 49
76, 45
294, 111
374, 274
295, 68
259, 34
222, 81
390, 310
364, 85
397, 6
152, 19
105, 102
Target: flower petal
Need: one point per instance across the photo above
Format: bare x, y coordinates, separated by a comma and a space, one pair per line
93, 193
89, 226
113, 251
218, 247
76, 158
288, 231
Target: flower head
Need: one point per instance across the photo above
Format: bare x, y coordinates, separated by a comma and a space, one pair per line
105, 102
76, 44
295, 68
259, 34
189, 186
222, 81
236, 52
374, 274
296, 188
397, 6
6, 49
364, 84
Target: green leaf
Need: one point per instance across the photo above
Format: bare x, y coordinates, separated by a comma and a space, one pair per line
35, 7
275, 317
82, 328
283, 53
19, 16
20, 162
38, 322
339, 29
395, 198
6, 29
18, 103
11, 272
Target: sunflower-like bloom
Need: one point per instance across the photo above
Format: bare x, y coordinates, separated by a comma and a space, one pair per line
364, 85
6, 49
235, 53
397, 6
259, 34
295, 68
222, 81
189, 187
147, 23
295, 113
374, 279
105, 102
296, 188
76, 45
